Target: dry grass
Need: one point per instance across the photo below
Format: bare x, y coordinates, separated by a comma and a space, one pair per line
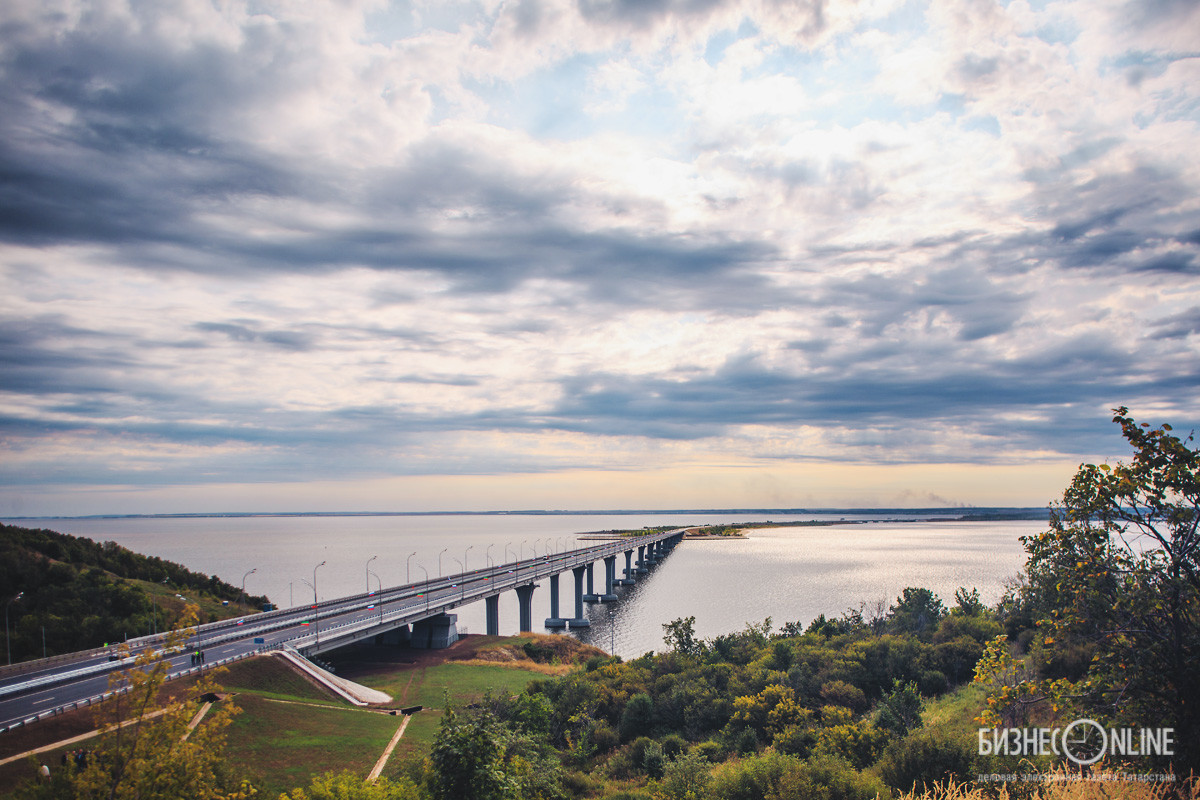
1061, 784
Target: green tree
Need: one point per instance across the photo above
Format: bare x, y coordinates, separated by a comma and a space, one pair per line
680, 635
916, 611
637, 717
1116, 584
467, 759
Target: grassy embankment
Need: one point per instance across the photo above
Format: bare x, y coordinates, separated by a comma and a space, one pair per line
290, 730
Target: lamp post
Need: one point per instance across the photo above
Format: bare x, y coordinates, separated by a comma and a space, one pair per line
469, 549
488, 554
426, 586
506, 544
7, 636
316, 604
462, 584
369, 560
248, 573
380, 600
408, 568
444, 549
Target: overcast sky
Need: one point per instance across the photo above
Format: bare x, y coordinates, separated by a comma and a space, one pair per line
589, 254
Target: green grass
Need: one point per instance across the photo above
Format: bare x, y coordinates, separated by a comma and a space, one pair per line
271, 677
280, 746
955, 712
465, 683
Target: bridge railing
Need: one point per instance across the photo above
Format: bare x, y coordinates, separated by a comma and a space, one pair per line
539, 568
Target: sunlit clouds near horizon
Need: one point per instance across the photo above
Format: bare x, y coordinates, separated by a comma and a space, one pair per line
589, 254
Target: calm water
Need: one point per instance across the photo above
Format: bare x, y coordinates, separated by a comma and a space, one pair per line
788, 574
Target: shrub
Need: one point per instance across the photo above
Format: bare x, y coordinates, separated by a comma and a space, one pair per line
840, 693
924, 757
604, 738
933, 682
826, 778
637, 717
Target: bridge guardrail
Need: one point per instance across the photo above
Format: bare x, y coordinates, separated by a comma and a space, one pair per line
97, 699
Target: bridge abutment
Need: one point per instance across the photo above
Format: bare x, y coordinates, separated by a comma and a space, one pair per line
435, 633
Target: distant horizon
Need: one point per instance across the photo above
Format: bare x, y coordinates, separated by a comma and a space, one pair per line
900, 511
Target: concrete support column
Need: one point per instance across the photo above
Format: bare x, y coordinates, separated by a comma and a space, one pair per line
641, 559
651, 554
610, 578
525, 600
554, 621
591, 595
580, 620
492, 607
628, 579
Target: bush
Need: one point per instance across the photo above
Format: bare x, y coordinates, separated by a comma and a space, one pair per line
795, 740
637, 717
711, 750
924, 757
604, 738
840, 693
827, 778
933, 682
672, 745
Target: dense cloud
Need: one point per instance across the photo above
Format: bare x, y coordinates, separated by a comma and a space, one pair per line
268, 242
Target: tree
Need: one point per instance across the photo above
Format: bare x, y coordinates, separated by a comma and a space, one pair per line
467, 759
1116, 583
154, 745
680, 635
916, 611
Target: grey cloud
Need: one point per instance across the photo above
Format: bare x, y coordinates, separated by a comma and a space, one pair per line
284, 340
644, 12
1178, 326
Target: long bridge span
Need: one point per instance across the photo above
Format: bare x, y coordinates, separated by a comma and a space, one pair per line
414, 613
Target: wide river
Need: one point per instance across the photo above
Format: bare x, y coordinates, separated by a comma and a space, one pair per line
788, 574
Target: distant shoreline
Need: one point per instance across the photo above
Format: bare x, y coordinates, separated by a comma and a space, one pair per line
962, 514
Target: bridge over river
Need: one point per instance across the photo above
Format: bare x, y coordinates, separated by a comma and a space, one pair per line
417, 614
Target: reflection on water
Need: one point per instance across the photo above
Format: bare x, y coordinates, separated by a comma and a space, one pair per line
788, 574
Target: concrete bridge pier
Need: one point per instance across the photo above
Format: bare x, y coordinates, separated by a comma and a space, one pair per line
628, 579
580, 620
492, 607
525, 600
651, 555
554, 621
435, 632
591, 595
395, 637
641, 560
610, 578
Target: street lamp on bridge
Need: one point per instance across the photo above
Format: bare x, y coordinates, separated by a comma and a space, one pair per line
248, 574
7, 636
369, 560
